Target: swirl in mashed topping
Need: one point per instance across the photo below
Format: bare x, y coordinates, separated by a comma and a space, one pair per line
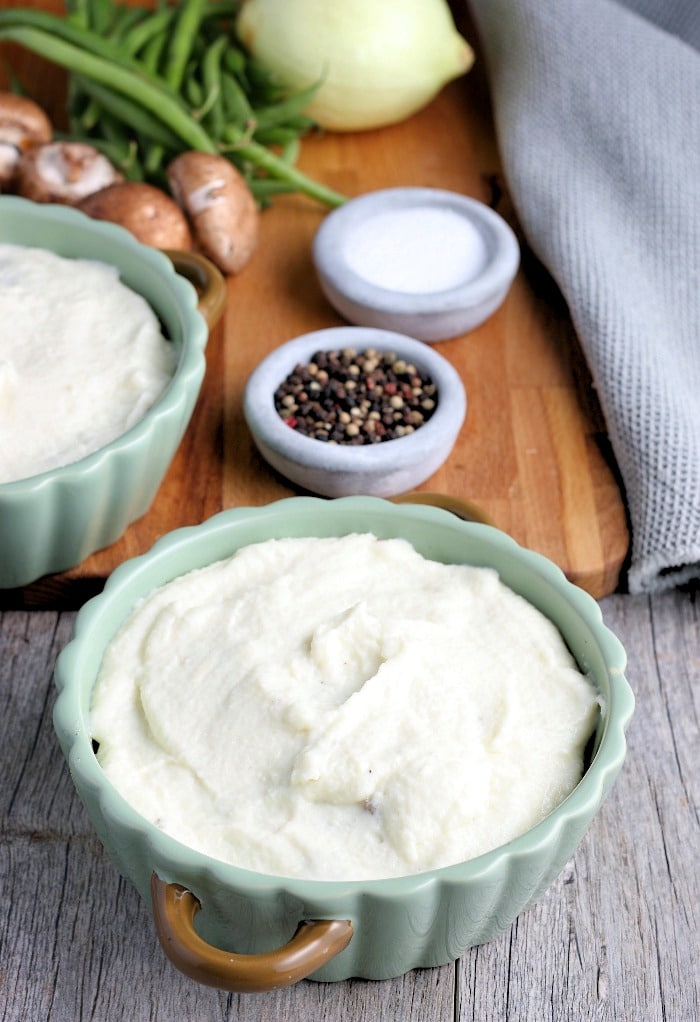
341, 708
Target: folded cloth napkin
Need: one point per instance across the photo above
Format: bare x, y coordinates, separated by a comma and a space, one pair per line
597, 111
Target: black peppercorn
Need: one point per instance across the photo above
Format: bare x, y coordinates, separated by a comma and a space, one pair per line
354, 398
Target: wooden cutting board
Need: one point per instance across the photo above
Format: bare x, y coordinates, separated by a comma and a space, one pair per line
532, 453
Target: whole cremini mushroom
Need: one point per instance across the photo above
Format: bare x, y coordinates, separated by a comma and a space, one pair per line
23, 124
219, 205
153, 217
63, 172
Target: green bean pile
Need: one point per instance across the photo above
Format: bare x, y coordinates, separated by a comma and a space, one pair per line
147, 83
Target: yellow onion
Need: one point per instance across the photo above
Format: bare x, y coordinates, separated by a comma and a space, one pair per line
377, 61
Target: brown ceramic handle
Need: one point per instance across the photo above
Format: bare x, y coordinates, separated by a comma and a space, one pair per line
462, 508
207, 279
313, 944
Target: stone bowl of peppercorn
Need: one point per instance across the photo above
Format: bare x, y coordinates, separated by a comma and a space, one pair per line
355, 410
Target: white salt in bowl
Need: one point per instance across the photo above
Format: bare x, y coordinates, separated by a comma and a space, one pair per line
382, 469
426, 262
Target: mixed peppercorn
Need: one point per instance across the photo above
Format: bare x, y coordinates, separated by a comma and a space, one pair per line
355, 398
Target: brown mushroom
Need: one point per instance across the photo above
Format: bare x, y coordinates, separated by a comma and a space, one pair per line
220, 207
9, 158
22, 124
151, 215
63, 172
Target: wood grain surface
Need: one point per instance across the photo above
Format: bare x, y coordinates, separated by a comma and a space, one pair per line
615, 939
533, 450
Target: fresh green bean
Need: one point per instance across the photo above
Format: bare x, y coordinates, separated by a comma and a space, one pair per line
276, 134
213, 109
211, 62
210, 112
83, 112
100, 16
194, 93
234, 61
226, 9
187, 24
264, 82
236, 104
177, 54
113, 132
77, 12
89, 116
301, 124
153, 160
247, 150
172, 77
145, 30
285, 110
290, 150
268, 186
125, 19
130, 166
265, 189
149, 93
129, 113
152, 54
65, 30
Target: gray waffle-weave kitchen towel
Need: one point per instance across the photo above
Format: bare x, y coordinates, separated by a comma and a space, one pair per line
597, 110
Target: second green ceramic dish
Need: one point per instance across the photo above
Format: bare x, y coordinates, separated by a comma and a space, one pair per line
53, 521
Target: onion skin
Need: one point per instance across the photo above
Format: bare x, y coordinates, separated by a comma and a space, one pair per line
377, 61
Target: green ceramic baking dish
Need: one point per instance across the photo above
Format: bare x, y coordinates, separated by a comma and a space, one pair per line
52, 521
248, 934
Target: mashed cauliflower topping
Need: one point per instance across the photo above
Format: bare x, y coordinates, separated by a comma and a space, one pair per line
82, 359
341, 708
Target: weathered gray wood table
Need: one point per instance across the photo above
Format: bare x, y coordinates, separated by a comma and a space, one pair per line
615, 938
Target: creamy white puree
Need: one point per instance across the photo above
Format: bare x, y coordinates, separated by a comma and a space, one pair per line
82, 359
341, 708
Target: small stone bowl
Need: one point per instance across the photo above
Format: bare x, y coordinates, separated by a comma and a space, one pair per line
383, 469
423, 261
